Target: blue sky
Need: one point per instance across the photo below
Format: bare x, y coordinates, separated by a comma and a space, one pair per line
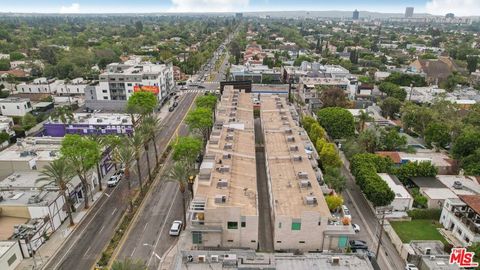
439, 7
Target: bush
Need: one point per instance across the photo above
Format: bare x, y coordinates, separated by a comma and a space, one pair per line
338, 122
415, 169
365, 167
425, 213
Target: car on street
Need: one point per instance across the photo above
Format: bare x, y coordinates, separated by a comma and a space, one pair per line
357, 244
356, 228
113, 181
171, 108
184, 88
411, 266
119, 173
346, 212
176, 228
175, 104
201, 87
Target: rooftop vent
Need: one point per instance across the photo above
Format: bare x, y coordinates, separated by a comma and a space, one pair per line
290, 139
288, 131
293, 148
297, 158
228, 146
311, 200
305, 184
229, 137
302, 175
227, 156
223, 169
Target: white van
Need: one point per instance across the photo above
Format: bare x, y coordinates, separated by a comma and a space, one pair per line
176, 228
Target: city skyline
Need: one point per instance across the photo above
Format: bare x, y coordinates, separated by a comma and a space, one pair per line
434, 7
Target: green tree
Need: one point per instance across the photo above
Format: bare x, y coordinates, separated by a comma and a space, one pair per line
83, 154
437, 135
392, 140
338, 122
393, 90
472, 62
390, 107
124, 154
128, 264
201, 121
150, 127
334, 202
316, 132
307, 122
329, 156
363, 118
28, 121
4, 136
334, 179
206, 101
64, 114
471, 163
60, 173
466, 143
4, 64
415, 169
369, 140
186, 149
142, 103
137, 141
403, 79
15, 56
416, 118
179, 173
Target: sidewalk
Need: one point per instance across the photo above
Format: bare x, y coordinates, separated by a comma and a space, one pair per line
58, 238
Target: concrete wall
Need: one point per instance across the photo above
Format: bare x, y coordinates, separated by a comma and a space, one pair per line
109, 105
309, 237
12, 257
18, 211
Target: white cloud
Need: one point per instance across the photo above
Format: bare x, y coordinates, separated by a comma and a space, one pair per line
458, 7
208, 5
73, 8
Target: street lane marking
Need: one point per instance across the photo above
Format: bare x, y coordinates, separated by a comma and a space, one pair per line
163, 225
85, 254
135, 248
114, 210
106, 194
144, 228
103, 227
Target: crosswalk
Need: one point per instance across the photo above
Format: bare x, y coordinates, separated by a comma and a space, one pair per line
195, 91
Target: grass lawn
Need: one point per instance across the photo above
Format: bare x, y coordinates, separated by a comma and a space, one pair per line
419, 229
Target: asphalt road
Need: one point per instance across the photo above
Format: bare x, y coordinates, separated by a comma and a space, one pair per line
148, 238
84, 247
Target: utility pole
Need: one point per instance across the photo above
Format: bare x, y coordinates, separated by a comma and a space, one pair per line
382, 211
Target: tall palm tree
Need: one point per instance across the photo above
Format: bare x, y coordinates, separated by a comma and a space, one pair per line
179, 173
363, 117
59, 172
98, 139
64, 114
124, 154
137, 143
150, 126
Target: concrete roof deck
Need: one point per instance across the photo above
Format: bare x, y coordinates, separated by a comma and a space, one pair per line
94, 118
288, 196
44, 148
241, 190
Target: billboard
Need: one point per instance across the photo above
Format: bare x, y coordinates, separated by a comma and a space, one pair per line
146, 88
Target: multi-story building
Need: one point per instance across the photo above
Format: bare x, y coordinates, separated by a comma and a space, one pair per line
73, 87
309, 89
409, 12
224, 208
39, 85
14, 106
301, 217
461, 216
90, 123
356, 15
6, 125
120, 81
255, 73
313, 70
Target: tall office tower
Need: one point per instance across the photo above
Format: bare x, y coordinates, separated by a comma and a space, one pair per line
356, 14
409, 12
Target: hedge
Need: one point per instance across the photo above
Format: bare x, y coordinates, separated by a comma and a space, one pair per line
365, 167
425, 213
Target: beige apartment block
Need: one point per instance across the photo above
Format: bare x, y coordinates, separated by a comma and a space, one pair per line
301, 218
224, 208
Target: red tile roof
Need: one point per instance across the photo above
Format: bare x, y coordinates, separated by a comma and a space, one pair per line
14, 72
394, 156
473, 201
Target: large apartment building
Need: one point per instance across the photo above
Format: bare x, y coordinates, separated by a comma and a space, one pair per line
225, 209
120, 81
461, 217
301, 218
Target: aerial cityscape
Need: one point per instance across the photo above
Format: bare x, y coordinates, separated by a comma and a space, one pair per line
240, 134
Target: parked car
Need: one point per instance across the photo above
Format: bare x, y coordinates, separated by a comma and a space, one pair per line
171, 108
346, 212
411, 266
357, 244
113, 181
201, 87
176, 228
119, 173
356, 228
175, 104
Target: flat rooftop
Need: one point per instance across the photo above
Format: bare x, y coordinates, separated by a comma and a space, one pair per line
228, 169
6, 226
5, 246
293, 179
98, 119
137, 69
33, 148
397, 187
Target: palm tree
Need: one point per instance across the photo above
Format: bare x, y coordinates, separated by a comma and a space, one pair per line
137, 143
363, 117
64, 114
59, 172
129, 264
124, 154
179, 173
150, 126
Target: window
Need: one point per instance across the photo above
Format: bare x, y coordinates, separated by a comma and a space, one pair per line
129, 84
104, 91
230, 241
243, 224
232, 225
196, 237
253, 241
279, 242
12, 259
459, 232
296, 225
279, 225
301, 242
3, 107
18, 107
105, 97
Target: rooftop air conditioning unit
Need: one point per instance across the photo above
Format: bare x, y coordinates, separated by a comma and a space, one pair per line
228, 146
220, 198
290, 139
305, 184
230, 129
284, 117
214, 258
335, 260
428, 251
293, 148
202, 258
288, 131
222, 183
302, 175
227, 156
223, 169
229, 137
297, 158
